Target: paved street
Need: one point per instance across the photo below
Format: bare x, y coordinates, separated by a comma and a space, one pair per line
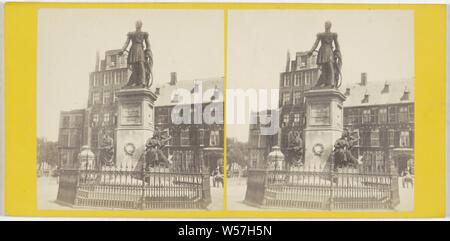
236, 193
47, 190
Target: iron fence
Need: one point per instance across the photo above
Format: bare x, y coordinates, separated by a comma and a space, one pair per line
135, 188
323, 188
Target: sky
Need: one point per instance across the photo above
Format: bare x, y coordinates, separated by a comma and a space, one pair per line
378, 42
189, 42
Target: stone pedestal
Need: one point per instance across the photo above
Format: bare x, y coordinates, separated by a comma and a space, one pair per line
324, 125
135, 124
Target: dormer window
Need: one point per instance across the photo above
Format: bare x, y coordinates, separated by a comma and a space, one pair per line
365, 99
303, 61
405, 95
385, 89
176, 98
195, 89
347, 92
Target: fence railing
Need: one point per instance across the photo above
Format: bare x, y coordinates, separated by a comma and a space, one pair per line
131, 188
306, 188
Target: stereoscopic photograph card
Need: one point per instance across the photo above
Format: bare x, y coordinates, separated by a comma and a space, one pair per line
234, 110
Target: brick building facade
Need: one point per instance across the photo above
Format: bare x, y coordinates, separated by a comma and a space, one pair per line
71, 136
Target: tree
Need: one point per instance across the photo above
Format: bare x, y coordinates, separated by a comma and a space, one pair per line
47, 151
237, 152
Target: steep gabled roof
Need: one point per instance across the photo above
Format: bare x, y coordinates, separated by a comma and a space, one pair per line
379, 93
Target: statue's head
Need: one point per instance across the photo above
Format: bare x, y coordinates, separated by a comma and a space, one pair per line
327, 26
138, 25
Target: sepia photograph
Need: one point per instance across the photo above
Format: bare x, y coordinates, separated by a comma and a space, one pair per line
130, 109
320, 110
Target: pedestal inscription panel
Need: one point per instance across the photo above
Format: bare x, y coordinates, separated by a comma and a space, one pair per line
319, 114
131, 114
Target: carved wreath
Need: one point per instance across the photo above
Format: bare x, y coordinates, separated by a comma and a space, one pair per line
318, 149
129, 148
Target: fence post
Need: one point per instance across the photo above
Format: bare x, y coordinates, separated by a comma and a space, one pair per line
395, 199
332, 178
77, 182
142, 204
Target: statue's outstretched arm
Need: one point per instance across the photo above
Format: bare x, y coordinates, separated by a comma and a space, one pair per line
125, 46
314, 47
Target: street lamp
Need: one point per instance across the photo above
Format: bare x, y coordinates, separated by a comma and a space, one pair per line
86, 158
276, 157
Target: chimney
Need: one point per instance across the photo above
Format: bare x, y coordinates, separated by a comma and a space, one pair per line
97, 62
347, 92
288, 61
363, 79
157, 91
385, 88
366, 98
173, 78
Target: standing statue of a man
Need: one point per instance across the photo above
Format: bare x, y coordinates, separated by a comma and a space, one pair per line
140, 58
329, 58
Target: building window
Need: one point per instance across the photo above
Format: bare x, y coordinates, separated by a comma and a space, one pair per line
113, 60
201, 137
105, 80
66, 122
254, 158
392, 114
184, 136
106, 118
286, 98
297, 79
375, 138
75, 142
391, 137
303, 61
308, 78
285, 119
297, 97
296, 118
351, 116
411, 113
366, 116
403, 114
106, 97
96, 98
114, 97
373, 115
214, 138
286, 80
404, 139
365, 138
162, 116
95, 118
382, 115
379, 161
